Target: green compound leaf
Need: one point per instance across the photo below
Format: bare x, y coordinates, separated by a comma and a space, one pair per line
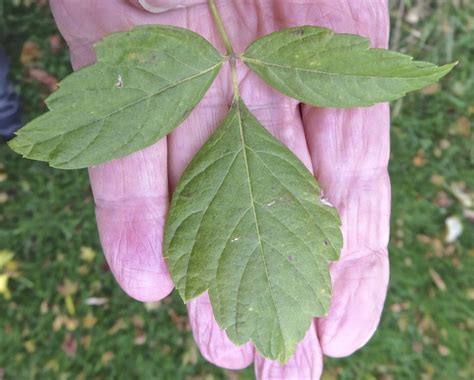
144, 84
322, 68
247, 223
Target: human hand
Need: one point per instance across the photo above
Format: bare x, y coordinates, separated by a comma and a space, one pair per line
346, 149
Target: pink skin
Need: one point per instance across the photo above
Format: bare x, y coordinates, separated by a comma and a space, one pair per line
347, 150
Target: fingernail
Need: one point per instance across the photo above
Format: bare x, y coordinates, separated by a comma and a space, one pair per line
157, 6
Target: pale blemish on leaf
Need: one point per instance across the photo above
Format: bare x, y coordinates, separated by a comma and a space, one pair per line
119, 83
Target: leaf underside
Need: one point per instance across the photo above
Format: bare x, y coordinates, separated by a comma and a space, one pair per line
144, 84
247, 224
322, 68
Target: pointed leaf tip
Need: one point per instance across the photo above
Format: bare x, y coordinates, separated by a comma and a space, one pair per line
326, 69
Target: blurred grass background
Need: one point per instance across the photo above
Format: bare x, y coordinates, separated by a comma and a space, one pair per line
63, 317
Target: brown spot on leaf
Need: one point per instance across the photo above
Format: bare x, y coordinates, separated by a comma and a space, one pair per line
299, 31
30, 52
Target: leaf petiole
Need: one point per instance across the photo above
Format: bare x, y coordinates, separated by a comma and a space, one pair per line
228, 47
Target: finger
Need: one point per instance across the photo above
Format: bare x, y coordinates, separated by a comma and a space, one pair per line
350, 150
306, 363
131, 194
83, 23
213, 342
350, 153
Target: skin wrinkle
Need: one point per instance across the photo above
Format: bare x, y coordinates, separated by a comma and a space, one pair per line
346, 164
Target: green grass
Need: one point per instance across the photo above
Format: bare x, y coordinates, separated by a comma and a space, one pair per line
48, 216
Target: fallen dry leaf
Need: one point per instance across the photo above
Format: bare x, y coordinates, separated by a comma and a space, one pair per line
399, 307
87, 254
469, 214
52, 365
30, 346
419, 160
5, 257
89, 321
96, 301
69, 345
70, 307
454, 229
68, 288
55, 43
470, 294
119, 325
29, 52
86, 341
443, 350
107, 357
63, 320
444, 144
417, 347
438, 247
402, 324
461, 127
137, 321
443, 200
150, 306
440, 284
431, 89
460, 191
140, 337
190, 356
3, 197
44, 307
4, 286
179, 321
437, 180
424, 239
83, 270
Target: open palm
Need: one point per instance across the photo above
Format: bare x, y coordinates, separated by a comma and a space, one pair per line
347, 149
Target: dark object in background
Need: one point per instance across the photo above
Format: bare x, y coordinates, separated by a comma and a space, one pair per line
10, 111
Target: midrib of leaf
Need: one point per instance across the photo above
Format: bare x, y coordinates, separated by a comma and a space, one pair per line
148, 96
232, 162
252, 201
280, 66
296, 199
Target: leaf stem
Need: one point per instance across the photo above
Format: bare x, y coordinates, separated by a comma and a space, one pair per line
228, 46
220, 27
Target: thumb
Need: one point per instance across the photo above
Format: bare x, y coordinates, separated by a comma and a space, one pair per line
158, 6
